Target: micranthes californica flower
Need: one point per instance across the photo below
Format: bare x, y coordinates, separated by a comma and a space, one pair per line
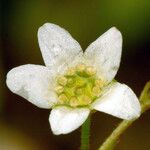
73, 83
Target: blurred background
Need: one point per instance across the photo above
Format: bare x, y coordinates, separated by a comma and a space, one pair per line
24, 126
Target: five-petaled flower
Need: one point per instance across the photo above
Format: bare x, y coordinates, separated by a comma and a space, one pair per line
74, 83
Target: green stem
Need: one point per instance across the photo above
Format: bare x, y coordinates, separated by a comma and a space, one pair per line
111, 141
85, 134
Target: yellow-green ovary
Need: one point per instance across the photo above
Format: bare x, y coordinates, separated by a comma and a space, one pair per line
79, 86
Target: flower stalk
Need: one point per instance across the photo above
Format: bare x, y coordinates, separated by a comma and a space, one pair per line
85, 135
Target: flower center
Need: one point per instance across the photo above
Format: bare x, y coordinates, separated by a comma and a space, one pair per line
79, 86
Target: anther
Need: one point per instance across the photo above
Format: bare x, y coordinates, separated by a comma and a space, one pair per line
59, 89
86, 100
80, 67
73, 102
96, 90
90, 71
70, 81
98, 82
62, 80
70, 72
63, 98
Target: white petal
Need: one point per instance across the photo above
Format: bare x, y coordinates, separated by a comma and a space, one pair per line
64, 120
57, 46
105, 53
34, 83
120, 101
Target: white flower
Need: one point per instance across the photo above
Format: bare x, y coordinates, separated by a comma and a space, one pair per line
73, 83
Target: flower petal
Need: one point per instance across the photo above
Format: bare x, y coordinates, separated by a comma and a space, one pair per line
120, 101
105, 53
64, 120
34, 83
57, 46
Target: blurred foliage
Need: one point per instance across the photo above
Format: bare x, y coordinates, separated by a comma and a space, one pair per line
12, 139
2, 86
85, 20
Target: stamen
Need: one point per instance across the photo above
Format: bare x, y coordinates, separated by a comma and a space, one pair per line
62, 98
80, 67
79, 86
90, 71
99, 83
96, 90
73, 102
86, 100
70, 72
70, 81
62, 80
59, 89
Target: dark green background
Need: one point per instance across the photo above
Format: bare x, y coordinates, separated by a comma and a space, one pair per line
24, 126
